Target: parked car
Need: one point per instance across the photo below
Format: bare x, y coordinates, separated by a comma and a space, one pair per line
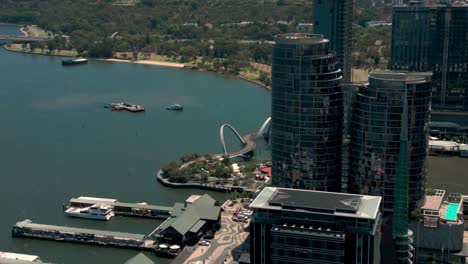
204, 243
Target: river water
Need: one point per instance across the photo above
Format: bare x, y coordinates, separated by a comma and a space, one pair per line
57, 141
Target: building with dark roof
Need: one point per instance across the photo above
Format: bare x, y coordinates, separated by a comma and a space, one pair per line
375, 135
307, 112
303, 226
333, 19
190, 221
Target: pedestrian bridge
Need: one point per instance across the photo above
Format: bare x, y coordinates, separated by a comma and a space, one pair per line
248, 141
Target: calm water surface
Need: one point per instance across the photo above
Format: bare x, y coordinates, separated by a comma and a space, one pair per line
57, 141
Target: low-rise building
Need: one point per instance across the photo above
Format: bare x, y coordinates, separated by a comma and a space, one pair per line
439, 234
190, 221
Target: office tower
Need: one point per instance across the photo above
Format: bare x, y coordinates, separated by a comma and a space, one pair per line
434, 38
334, 19
303, 226
307, 110
375, 135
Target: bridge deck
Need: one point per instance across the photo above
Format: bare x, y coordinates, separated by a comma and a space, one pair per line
248, 147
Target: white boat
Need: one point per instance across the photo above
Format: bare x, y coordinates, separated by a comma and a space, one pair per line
6, 256
96, 211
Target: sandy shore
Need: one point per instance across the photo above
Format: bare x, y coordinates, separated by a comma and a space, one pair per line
148, 62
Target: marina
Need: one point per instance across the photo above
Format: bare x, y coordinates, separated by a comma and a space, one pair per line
29, 229
81, 148
123, 209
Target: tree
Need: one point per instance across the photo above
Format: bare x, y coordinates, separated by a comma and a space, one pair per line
51, 45
265, 78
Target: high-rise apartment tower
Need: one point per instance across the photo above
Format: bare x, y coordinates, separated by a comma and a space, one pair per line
375, 135
307, 110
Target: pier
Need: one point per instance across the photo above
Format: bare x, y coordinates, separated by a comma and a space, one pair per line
125, 209
27, 228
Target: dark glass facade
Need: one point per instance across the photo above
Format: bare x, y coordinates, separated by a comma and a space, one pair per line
333, 19
434, 38
375, 135
307, 111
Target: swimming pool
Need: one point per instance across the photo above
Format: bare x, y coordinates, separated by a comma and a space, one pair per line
452, 211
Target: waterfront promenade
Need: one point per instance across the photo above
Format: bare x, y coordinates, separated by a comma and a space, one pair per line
231, 235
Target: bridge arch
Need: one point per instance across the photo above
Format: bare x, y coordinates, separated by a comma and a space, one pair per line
221, 137
266, 127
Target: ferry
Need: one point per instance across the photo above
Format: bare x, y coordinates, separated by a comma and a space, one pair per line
96, 211
175, 107
126, 107
74, 62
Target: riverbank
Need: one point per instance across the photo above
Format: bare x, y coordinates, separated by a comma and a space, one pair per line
162, 62
18, 48
257, 82
147, 62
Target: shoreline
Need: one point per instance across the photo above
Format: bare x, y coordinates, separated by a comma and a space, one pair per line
266, 87
210, 187
174, 65
146, 62
31, 53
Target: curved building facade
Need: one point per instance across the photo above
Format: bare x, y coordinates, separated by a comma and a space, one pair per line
307, 110
375, 135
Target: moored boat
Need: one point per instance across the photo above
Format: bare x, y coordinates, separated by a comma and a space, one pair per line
74, 62
96, 211
175, 107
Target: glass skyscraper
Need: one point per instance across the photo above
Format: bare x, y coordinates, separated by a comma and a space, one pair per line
434, 38
333, 19
307, 111
375, 135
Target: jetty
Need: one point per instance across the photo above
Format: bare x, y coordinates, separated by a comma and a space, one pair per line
27, 228
124, 209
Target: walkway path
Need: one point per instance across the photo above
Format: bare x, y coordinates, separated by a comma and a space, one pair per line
230, 236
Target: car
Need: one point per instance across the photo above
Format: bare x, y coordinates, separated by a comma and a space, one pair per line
203, 243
